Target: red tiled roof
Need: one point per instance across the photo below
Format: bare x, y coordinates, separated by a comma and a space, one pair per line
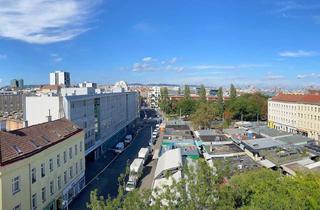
22, 143
296, 98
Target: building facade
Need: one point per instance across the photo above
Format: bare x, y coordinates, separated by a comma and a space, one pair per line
295, 114
17, 84
104, 117
11, 102
42, 166
60, 78
154, 97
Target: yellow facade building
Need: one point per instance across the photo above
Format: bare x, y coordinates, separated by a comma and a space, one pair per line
295, 114
42, 166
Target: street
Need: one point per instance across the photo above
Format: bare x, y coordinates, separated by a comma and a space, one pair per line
107, 181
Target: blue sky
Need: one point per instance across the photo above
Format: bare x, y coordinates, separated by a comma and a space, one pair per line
258, 42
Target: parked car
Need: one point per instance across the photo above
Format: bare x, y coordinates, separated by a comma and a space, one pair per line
128, 139
119, 147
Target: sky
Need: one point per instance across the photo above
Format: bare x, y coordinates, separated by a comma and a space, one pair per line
264, 43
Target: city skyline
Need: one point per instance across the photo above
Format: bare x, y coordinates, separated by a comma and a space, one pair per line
269, 43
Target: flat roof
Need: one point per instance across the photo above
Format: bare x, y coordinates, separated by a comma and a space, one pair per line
263, 143
222, 149
269, 132
295, 139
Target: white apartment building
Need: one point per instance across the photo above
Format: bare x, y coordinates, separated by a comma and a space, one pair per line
154, 97
106, 118
296, 114
60, 78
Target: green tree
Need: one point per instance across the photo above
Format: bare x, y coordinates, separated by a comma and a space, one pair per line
164, 103
202, 93
233, 92
220, 101
205, 114
201, 188
187, 92
179, 91
187, 106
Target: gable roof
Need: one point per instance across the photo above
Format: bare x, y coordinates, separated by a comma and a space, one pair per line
22, 143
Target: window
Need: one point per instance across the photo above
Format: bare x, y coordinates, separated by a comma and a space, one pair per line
75, 150
65, 156
51, 187
34, 201
43, 170
15, 185
70, 152
43, 194
71, 172
65, 178
51, 165
59, 182
58, 160
80, 146
76, 168
81, 166
33, 175
17, 207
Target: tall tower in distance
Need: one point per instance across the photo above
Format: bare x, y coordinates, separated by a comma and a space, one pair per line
60, 78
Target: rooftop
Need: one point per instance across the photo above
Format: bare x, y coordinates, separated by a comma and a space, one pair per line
22, 143
298, 98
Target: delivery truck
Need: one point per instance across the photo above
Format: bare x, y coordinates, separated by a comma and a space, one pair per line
135, 173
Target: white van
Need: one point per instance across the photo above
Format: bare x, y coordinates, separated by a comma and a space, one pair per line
144, 154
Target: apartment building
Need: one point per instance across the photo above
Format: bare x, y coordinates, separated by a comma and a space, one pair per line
11, 102
60, 78
154, 97
105, 118
42, 166
296, 114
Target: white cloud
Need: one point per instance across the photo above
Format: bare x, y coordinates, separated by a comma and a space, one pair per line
308, 76
271, 77
56, 57
147, 59
3, 56
297, 54
44, 21
228, 67
150, 64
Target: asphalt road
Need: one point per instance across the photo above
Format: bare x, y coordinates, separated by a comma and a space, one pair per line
107, 181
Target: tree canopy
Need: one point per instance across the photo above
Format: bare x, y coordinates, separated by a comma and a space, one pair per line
233, 92
200, 189
187, 92
202, 93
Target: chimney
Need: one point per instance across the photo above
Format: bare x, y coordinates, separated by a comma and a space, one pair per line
25, 123
49, 117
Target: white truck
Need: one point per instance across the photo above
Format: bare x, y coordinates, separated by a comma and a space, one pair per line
136, 168
144, 154
128, 139
119, 148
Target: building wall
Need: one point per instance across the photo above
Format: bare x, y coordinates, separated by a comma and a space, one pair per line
24, 167
11, 102
37, 109
295, 118
102, 115
114, 112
